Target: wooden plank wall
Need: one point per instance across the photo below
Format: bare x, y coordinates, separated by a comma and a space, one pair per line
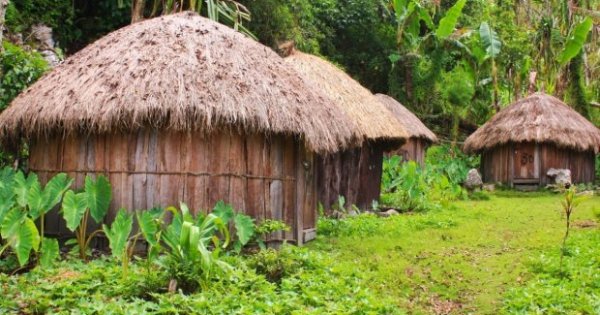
413, 150
581, 164
254, 173
496, 164
354, 174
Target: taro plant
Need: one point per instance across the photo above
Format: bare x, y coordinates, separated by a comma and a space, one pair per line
78, 207
22, 202
244, 224
118, 238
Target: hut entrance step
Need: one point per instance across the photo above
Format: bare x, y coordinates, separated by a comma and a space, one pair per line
526, 184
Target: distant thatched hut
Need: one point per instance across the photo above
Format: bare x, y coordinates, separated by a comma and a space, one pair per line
180, 108
355, 173
523, 141
420, 137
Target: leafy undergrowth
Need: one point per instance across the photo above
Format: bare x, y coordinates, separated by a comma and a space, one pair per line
459, 260
573, 290
307, 284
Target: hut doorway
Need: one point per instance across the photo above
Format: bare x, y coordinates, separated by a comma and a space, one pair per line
526, 163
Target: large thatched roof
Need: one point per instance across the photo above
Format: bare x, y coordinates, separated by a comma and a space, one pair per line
411, 123
179, 72
373, 120
536, 118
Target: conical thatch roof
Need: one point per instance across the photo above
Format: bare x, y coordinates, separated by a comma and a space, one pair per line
536, 118
179, 72
373, 120
411, 123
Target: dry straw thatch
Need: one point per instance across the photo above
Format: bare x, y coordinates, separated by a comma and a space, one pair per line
411, 123
536, 118
179, 72
373, 121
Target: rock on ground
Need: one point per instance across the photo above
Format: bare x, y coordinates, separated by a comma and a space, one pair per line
473, 179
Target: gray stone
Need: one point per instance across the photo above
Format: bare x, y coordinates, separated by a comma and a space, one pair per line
473, 179
561, 176
42, 36
388, 213
488, 187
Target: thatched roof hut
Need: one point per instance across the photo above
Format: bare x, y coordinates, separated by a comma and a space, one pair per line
354, 173
523, 141
419, 136
180, 108
177, 72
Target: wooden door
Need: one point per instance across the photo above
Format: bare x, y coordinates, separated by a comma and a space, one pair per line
525, 161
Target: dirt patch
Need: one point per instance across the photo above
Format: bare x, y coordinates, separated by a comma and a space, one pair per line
443, 307
585, 224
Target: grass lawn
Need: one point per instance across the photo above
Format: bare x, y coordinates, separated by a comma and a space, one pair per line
457, 260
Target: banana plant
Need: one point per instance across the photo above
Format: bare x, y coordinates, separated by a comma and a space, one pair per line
118, 237
78, 207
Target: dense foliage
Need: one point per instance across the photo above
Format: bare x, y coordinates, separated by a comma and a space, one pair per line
18, 69
411, 187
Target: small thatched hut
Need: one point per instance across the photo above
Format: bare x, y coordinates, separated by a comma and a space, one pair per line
355, 173
180, 108
523, 141
420, 137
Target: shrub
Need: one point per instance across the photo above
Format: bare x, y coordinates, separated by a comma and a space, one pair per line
450, 161
411, 188
19, 70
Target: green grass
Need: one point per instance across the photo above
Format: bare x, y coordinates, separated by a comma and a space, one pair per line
458, 260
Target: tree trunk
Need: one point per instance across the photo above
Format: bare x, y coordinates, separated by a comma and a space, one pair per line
137, 10
3, 5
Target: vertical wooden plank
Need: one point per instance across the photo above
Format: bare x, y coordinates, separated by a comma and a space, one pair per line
301, 191
197, 187
116, 146
219, 165
289, 185
169, 165
152, 179
255, 145
309, 216
138, 162
237, 165
275, 189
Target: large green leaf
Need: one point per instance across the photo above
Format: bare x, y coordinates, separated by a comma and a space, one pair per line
448, 22
35, 200
148, 226
491, 41
54, 190
119, 232
21, 186
223, 211
21, 234
73, 208
244, 226
98, 195
49, 252
576, 41
12, 220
